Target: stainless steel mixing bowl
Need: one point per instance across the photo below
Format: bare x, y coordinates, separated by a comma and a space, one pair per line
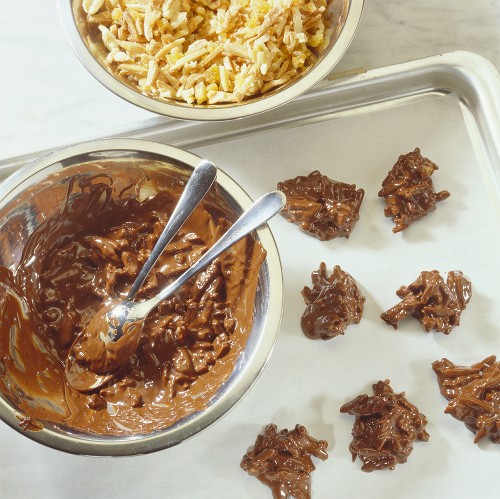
347, 15
39, 189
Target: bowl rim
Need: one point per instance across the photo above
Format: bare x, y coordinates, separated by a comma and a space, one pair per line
216, 113
98, 445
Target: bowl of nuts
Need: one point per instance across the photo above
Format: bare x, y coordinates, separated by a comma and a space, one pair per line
209, 59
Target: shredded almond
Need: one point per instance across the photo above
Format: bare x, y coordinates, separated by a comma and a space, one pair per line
210, 51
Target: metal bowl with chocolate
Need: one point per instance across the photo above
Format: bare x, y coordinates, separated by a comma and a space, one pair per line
76, 227
210, 60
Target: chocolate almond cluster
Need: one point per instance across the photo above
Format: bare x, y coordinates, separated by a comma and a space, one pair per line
385, 428
432, 301
333, 303
320, 206
282, 460
474, 395
408, 190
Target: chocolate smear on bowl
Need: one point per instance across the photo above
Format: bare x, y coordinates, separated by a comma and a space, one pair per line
29, 424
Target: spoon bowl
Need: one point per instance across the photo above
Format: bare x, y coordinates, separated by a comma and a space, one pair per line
118, 340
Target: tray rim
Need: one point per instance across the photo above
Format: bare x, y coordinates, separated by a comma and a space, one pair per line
472, 78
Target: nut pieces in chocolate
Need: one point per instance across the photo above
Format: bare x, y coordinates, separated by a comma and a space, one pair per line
435, 303
408, 190
209, 53
282, 461
474, 395
385, 428
320, 206
333, 303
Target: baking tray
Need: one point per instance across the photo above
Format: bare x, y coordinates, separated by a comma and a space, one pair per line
352, 129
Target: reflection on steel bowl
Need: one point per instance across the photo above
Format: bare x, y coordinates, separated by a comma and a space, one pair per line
95, 211
210, 60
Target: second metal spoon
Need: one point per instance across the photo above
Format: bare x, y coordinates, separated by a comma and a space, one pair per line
197, 186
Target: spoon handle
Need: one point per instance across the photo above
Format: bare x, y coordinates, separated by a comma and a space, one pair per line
197, 186
259, 213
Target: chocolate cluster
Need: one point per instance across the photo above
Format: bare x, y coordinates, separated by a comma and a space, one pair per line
408, 190
282, 460
320, 206
385, 428
333, 303
474, 395
435, 303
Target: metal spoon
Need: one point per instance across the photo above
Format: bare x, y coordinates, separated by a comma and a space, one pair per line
114, 333
198, 184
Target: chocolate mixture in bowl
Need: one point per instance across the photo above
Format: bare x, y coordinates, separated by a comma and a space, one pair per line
88, 254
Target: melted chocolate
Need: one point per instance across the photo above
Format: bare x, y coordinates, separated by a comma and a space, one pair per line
282, 461
385, 428
87, 255
333, 303
320, 206
408, 190
435, 303
474, 395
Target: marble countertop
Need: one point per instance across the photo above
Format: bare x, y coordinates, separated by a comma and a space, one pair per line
47, 98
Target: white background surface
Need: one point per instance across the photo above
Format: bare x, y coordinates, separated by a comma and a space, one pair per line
46, 95
47, 98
